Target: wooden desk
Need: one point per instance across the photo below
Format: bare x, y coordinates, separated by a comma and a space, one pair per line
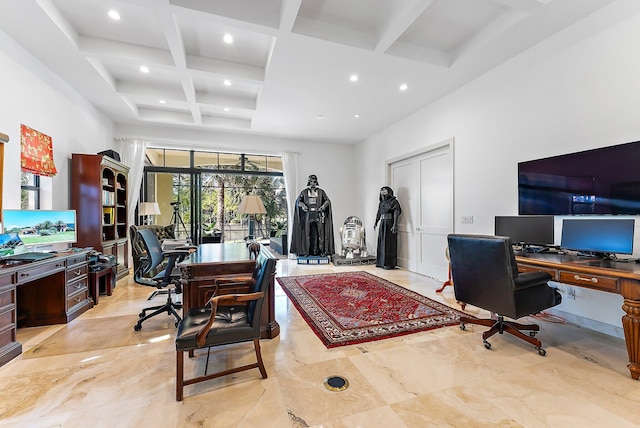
51, 291
604, 275
211, 261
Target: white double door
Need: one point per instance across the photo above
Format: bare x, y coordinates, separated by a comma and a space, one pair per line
423, 184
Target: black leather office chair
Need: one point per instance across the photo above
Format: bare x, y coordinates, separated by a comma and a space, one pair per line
227, 319
485, 275
161, 265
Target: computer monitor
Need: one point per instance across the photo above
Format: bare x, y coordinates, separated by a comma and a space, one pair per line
600, 237
526, 230
41, 228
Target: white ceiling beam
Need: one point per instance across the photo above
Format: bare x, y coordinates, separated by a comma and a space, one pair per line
288, 12
102, 71
59, 20
230, 69
334, 33
397, 24
176, 47
488, 33
148, 90
522, 5
109, 50
213, 99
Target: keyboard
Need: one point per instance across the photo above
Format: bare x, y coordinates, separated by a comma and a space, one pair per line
28, 257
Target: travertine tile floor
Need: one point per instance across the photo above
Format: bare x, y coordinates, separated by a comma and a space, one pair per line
98, 372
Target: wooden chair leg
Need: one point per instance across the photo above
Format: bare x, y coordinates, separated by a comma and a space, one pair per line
179, 375
256, 345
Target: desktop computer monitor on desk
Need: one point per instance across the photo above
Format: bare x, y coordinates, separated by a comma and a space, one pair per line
526, 230
598, 237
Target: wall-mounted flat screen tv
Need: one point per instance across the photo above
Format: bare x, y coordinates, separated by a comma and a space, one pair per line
41, 228
599, 181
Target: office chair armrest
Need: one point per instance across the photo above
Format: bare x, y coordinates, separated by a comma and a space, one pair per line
190, 248
176, 252
225, 299
531, 279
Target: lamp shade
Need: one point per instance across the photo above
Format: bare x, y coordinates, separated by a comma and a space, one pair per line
148, 208
251, 204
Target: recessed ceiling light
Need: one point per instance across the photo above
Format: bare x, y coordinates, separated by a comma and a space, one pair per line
227, 82
162, 101
113, 14
227, 109
144, 69
356, 115
403, 87
228, 38
354, 78
320, 116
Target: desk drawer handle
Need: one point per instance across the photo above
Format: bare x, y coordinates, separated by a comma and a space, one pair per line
78, 272
580, 278
77, 286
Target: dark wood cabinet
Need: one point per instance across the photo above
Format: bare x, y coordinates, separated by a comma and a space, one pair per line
99, 196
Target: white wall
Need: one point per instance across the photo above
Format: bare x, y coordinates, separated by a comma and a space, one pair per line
31, 95
575, 91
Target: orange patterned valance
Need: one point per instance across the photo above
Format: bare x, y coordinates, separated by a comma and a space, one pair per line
36, 152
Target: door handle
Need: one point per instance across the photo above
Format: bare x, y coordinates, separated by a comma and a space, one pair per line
419, 229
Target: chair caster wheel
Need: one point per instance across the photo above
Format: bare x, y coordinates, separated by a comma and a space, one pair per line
141, 315
541, 351
486, 344
176, 323
463, 326
137, 327
533, 333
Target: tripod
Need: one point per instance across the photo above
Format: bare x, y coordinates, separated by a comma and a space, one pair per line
176, 219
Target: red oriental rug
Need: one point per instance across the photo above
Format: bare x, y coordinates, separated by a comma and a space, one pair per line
356, 307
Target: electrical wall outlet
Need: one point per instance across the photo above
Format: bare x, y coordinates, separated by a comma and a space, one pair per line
467, 219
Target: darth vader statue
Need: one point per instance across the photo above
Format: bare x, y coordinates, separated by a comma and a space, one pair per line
312, 233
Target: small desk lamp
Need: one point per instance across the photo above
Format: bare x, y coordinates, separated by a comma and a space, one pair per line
251, 204
148, 209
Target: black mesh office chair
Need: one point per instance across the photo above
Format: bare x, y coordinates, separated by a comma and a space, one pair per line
155, 268
227, 319
485, 274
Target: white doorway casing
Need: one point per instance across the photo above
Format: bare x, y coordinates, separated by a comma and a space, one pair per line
423, 183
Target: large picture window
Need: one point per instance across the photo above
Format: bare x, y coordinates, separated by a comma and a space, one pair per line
200, 193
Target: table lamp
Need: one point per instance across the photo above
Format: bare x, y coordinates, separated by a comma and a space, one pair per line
148, 209
251, 204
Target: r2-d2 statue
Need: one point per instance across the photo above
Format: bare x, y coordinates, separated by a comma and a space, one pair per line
352, 236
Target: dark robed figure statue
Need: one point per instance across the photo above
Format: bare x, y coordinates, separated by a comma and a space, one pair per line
388, 212
312, 222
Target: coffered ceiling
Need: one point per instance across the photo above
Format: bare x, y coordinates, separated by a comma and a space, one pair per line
288, 70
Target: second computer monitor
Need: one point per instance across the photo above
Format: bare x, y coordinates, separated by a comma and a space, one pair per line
600, 236
526, 229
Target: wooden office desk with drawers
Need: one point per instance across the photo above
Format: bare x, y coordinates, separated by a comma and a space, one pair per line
45, 292
606, 275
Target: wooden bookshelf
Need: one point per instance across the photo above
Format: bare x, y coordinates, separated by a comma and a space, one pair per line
99, 196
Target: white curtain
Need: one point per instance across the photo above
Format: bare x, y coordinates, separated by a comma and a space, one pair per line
133, 154
290, 170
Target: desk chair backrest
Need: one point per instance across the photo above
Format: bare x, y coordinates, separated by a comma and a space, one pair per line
262, 273
153, 247
483, 269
